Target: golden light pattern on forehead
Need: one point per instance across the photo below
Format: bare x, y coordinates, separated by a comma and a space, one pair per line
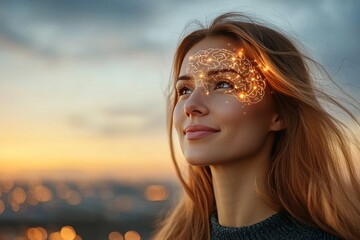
213, 64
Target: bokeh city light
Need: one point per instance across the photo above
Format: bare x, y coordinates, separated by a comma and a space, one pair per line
61, 210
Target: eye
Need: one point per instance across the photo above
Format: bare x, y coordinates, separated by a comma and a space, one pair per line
224, 84
183, 91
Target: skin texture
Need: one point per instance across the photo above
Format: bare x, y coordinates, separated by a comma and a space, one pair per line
239, 150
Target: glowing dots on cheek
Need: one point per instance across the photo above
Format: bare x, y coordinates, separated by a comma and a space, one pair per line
246, 77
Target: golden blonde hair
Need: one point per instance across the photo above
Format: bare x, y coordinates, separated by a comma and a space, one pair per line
311, 175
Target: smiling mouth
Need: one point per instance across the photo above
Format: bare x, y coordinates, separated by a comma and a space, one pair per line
193, 132
198, 134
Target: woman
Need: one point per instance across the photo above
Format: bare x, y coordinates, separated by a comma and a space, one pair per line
262, 152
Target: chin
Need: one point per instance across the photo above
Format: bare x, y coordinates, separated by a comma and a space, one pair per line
200, 161
203, 157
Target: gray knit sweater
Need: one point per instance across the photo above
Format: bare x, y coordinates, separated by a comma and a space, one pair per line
279, 226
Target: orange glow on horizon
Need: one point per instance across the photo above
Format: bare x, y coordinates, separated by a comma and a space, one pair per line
35, 148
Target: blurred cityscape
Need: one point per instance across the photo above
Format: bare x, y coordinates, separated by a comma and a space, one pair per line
75, 210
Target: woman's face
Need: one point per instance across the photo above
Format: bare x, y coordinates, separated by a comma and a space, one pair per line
215, 122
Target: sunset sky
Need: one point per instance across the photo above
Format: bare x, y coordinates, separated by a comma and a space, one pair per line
82, 83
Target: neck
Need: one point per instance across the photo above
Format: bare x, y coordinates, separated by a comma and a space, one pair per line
237, 202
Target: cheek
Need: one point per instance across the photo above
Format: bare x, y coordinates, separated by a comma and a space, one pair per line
246, 122
228, 110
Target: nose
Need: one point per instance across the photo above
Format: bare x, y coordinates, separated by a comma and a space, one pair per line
195, 104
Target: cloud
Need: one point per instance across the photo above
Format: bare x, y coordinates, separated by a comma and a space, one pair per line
122, 120
128, 34
97, 29
79, 28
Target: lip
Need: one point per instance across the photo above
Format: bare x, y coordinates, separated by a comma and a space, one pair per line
193, 132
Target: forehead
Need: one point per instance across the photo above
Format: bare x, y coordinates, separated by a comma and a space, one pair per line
207, 43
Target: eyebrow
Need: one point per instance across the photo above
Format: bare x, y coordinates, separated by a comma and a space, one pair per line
210, 73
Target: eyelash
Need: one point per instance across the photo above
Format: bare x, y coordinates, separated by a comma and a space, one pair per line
179, 92
231, 85
182, 89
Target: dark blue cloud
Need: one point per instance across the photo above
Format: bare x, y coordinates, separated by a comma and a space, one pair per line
70, 10
84, 28
80, 27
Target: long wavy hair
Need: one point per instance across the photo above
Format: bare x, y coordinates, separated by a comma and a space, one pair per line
312, 173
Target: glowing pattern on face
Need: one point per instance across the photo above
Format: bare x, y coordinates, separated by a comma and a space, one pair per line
213, 64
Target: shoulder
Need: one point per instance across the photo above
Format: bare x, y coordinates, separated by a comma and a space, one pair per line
302, 231
279, 226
